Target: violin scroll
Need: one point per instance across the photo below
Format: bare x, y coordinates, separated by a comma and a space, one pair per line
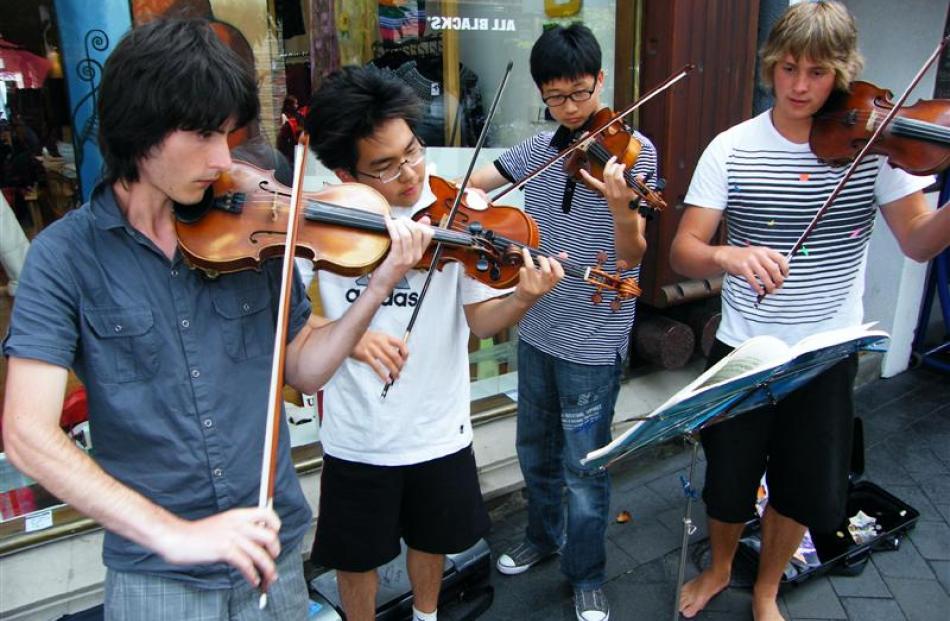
601, 279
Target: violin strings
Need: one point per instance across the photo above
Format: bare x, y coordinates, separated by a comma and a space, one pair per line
905, 126
602, 154
333, 213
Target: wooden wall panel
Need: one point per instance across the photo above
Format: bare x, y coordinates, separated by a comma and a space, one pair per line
719, 37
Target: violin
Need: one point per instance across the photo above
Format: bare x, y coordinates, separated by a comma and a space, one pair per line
917, 139
614, 140
243, 218
871, 107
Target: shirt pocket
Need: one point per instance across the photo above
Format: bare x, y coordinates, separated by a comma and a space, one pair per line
124, 343
247, 327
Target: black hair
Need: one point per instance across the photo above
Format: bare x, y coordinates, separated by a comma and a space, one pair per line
168, 75
565, 53
350, 105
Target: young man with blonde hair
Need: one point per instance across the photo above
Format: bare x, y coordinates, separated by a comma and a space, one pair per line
763, 176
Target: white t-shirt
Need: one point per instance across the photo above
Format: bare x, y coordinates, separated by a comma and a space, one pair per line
426, 414
770, 188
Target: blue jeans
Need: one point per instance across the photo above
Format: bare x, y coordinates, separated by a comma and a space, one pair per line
565, 411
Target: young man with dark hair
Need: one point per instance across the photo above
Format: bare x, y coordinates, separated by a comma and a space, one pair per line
762, 179
570, 351
176, 365
402, 466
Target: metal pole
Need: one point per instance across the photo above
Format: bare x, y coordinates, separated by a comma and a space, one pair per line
688, 528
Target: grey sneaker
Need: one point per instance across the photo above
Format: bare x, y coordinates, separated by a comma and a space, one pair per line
520, 558
591, 605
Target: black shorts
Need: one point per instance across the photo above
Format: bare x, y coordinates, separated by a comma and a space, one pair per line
803, 444
435, 506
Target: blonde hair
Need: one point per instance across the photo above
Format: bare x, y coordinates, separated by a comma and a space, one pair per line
822, 31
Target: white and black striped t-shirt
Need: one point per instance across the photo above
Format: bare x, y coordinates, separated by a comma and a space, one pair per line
565, 323
770, 189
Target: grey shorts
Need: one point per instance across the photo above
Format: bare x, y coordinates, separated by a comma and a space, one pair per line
131, 596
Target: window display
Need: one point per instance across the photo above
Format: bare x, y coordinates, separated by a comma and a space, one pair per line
452, 53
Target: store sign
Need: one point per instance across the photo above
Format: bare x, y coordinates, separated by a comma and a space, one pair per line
472, 23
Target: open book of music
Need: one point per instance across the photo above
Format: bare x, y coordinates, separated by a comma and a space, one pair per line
760, 371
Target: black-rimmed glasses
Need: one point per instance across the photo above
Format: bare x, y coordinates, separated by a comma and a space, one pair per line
393, 171
553, 101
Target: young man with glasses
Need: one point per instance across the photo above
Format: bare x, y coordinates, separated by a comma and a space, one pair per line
402, 466
570, 351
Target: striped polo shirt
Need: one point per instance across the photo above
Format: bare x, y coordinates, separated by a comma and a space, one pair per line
566, 323
770, 188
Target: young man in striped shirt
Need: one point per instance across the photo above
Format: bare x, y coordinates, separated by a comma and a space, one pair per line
570, 351
763, 176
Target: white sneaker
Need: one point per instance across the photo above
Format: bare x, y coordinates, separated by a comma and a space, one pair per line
520, 559
591, 605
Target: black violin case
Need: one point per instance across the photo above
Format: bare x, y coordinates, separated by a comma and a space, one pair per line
837, 551
465, 595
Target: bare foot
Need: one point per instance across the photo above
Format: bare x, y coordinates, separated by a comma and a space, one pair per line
766, 609
698, 591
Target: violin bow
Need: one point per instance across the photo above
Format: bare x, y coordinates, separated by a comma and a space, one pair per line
860, 156
275, 400
664, 85
437, 253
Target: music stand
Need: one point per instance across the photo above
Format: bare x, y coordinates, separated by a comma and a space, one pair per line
719, 403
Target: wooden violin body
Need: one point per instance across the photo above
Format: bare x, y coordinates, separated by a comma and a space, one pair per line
614, 141
917, 139
499, 223
244, 221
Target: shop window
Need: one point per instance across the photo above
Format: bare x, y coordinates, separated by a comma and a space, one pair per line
453, 53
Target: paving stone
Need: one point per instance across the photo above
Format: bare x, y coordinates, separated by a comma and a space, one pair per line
866, 609
673, 520
919, 460
670, 487
814, 599
939, 419
618, 561
737, 601
866, 584
942, 570
905, 562
920, 600
640, 502
883, 468
882, 392
540, 588
646, 541
932, 540
936, 487
939, 443
879, 431
912, 494
635, 601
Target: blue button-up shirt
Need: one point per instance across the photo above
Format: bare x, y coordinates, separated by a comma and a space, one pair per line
176, 367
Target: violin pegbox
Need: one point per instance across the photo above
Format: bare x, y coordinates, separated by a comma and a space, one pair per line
603, 280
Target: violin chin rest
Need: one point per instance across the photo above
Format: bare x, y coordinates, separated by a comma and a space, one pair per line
189, 214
